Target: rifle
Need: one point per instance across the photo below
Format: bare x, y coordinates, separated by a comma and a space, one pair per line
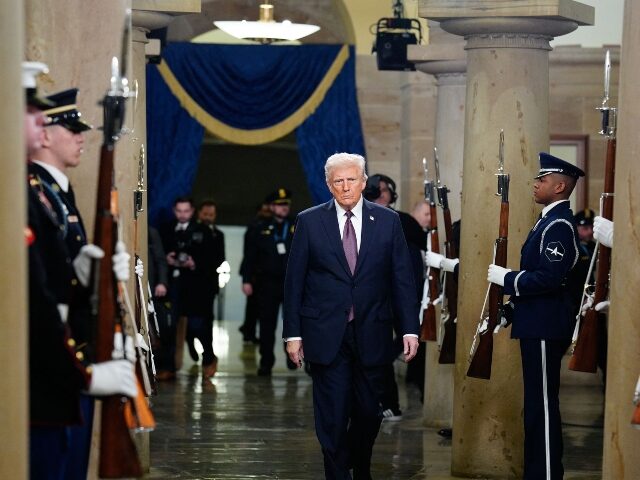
449, 308
428, 330
141, 317
482, 356
584, 356
635, 420
118, 454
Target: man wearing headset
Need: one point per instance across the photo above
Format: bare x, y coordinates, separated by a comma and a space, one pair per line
381, 189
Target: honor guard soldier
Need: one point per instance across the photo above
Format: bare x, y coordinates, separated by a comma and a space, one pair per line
58, 369
543, 316
265, 262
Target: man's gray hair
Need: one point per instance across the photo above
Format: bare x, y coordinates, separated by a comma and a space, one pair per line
344, 160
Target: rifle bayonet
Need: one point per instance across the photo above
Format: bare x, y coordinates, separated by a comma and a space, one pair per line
443, 199
503, 178
138, 192
608, 113
429, 195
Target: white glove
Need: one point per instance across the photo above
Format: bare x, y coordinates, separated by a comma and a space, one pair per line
82, 262
113, 377
139, 268
120, 261
126, 351
224, 267
603, 231
587, 305
496, 274
223, 279
449, 264
603, 306
433, 260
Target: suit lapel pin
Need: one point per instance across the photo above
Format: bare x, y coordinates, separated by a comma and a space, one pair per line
371, 218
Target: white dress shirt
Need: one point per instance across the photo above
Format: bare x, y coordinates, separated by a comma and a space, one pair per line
60, 178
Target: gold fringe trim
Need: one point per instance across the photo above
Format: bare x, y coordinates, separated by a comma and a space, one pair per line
262, 135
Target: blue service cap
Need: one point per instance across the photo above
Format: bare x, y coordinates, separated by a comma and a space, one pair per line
550, 164
65, 112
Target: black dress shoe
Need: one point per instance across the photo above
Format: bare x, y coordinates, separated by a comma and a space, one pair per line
445, 432
264, 372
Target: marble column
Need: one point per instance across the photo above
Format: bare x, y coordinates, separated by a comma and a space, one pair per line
507, 88
445, 59
14, 378
621, 459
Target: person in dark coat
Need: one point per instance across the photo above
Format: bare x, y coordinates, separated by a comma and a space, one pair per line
266, 254
381, 189
190, 255
58, 370
349, 285
543, 319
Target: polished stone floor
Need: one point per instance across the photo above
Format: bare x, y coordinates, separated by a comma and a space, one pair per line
241, 426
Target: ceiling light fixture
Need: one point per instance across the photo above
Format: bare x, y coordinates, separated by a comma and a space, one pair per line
266, 30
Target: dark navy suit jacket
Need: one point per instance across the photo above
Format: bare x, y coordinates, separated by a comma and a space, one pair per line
320, 289
542, 302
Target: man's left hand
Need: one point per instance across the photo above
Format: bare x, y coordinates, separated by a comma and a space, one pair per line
295, 352
410, 347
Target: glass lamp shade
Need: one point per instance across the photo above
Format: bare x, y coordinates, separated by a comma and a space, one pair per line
267, 31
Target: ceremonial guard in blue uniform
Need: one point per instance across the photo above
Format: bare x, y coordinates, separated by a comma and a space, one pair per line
59, 371
543, 317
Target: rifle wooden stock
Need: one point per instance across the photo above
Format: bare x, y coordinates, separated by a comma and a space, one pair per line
118, 453
448, 347
480, 366
585, 353
635, 420
428, 329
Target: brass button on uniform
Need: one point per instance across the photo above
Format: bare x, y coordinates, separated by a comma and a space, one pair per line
80, 356
71, 342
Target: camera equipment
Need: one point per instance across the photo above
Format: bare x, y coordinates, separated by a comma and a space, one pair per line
392, 37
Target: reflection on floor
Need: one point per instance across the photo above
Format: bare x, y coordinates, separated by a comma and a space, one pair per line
241, 426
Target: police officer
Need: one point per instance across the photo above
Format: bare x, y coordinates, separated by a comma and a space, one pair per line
542, 314
58, 370
266, 253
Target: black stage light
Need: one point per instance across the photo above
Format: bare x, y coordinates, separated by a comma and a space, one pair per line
392, 37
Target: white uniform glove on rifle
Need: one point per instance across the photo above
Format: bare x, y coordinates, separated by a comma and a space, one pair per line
84, 259
603, 231
496, 274
435, 260
139, 268
120, 261
113, 377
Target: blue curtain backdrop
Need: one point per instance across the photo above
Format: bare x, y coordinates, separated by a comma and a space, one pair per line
245, 88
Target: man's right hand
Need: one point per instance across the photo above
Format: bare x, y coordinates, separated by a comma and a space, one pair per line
160, 290
295, 352
113, 377
247, 289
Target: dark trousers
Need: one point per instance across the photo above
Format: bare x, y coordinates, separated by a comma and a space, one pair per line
80, 442
346, 402
165, 355
390, 394
48, 452
201, 327
251, 312
270, 298
542, 425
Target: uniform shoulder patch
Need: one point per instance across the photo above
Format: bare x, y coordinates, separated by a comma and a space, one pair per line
554, 251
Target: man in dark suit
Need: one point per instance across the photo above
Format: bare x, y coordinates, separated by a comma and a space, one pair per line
348, 284
543, 317
190, 247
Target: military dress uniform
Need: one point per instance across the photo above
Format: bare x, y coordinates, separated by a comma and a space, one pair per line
57, 370
267, 247
543, 320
